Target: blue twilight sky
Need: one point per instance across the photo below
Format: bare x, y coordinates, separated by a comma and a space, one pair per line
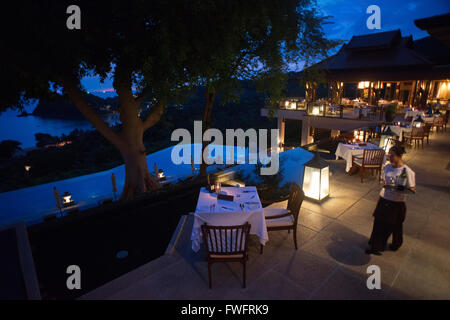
348, 18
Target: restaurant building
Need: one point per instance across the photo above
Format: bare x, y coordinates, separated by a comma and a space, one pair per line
367, 74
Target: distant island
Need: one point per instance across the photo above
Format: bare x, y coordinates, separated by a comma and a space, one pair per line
60, 107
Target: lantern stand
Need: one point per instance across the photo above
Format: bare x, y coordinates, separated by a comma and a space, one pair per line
316, 179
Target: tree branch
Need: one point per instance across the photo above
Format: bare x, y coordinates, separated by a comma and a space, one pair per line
75, 94
154, 115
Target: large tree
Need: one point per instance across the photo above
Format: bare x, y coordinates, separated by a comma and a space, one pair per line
134, 42
154, 50
256, 40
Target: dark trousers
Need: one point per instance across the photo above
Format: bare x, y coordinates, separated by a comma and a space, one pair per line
389, 217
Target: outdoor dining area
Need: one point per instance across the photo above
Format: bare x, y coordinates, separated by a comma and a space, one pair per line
365, 149
331, 235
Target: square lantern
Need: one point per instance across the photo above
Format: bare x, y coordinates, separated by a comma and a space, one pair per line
315, 110
386, 139
316, 178
67, 200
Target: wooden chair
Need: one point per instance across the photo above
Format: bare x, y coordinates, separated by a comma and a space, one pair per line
371, 159
285, 219
226, 244
416, 135
438, 122
426, 131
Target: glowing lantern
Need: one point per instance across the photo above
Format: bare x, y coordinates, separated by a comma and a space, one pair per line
217, 186
67, 199
358, 135
387, 136
293, 105
316, 178
315, 110
27, 168
363, 84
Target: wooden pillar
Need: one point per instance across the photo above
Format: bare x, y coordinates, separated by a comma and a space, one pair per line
413, 96
426, 93
281, 130
306, 128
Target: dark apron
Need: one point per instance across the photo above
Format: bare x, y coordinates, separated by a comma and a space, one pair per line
391, 212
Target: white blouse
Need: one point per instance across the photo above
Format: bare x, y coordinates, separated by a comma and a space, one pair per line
389, 176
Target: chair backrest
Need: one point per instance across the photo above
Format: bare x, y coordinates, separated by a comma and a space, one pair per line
417, 132
295, 201
225, 240
427, 128
373, 157
438, 121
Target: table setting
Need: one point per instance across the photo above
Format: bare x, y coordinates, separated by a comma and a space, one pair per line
229, 206
346, 151
400, 128
414, 114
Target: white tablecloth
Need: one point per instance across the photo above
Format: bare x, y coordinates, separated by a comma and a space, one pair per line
221, 215
428, 119
346, 151
400, 130
413, 114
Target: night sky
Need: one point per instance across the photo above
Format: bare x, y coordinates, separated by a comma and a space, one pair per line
348, 18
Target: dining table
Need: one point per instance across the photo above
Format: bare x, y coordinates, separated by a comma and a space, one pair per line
245, 206
414, 114
400, 130
427, 118
346, 151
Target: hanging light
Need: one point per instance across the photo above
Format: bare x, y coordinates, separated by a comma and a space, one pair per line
316, 178
387, 136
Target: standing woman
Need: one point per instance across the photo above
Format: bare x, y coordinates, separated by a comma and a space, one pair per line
391, 209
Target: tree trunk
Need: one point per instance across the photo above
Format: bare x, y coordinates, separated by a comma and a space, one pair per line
129, 141
206, 124
137, 176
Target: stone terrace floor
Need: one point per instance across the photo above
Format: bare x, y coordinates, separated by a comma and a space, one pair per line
330, 262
